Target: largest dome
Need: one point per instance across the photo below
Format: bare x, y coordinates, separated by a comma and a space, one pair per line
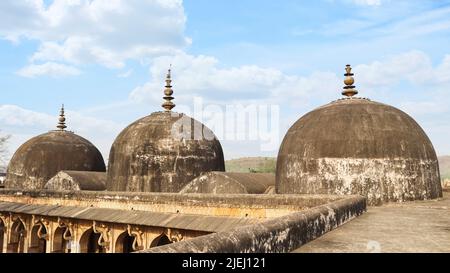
162, 152
357, 146
42, 157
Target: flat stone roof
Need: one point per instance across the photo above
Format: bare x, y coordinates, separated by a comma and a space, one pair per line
142, 218
265, 201
421, 226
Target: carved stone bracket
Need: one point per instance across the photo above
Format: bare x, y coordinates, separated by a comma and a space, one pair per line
68, 226
175, 235
137, 234
5, 220
43, 225
105, 239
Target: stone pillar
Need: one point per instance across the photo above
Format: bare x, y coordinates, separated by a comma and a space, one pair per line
8, 235
5, 243
112, 234
75, 247
28, 228
49, 244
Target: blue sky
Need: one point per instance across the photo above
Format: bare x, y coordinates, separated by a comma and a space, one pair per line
106, 61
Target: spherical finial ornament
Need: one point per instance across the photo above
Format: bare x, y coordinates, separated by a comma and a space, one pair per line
62, 120
349, 89
168, 105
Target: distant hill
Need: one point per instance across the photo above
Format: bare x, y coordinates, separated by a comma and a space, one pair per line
268, 165
252, 164
444, 166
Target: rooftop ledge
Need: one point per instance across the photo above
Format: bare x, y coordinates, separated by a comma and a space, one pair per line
237, 205
279, 235
269, 223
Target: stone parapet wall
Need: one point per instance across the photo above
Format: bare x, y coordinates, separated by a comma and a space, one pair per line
279, 235
254, 206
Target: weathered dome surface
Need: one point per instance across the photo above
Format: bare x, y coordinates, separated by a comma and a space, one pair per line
77, 181
162, 152
357, 146
231, 183
42, 157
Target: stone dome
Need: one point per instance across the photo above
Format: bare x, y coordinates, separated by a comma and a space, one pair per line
162, 152
231, 183
42, 157
357, 146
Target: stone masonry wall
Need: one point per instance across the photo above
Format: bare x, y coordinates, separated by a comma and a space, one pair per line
279, 235
254, 206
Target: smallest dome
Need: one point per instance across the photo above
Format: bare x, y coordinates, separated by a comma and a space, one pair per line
42, 157
231, 183
77, 181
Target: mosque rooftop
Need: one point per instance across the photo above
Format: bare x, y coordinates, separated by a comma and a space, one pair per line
411, 227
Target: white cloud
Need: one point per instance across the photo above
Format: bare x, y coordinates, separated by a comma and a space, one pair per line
414, 66
48, 69
409, 81
429, 107
106, 32
424, 23
12, 115
22, 124
204, 76
125, 74
394, 22
246, 86
442, 73
18, 117
367, 2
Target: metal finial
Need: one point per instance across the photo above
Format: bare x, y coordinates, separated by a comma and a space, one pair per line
349, 89
168, 105
62, 120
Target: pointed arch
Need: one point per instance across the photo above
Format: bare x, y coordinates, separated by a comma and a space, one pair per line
124, 243
160, 241
18, 234
62, 239
89, 242
38, 239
